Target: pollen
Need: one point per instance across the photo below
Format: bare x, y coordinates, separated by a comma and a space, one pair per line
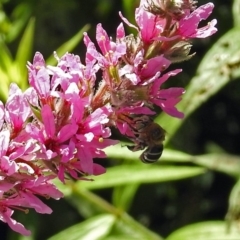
100, 139
26, 211
38, 67
103, 38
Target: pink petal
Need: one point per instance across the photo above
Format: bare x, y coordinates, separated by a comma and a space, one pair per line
120, 31
13, 224
4, 142
67, 132
98, 169
48, 120
36, 203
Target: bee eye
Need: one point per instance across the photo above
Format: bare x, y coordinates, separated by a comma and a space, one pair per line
157, 134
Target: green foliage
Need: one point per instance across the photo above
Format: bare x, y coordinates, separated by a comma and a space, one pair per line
132, 174
236, 13
214, 230
95, 228
234, 206
69, 45
11, 25
14, 70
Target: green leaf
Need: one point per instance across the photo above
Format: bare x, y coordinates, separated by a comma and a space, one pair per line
91, 229
132, 174
69, 45
123, 196
129, 7
119, 152
234, 204
6, 60
212, 230
24, 53
219, 66
226, 163
6, 65
125, 224
170, 155
236, 12
21, 15
121, 237
131, 229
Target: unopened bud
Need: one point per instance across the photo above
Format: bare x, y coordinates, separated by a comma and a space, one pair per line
179, 52
174, 8
134, 45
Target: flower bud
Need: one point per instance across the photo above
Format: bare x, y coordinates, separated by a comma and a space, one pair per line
179, 52
134, 45
174, 8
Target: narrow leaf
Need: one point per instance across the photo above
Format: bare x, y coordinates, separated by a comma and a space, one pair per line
123, 196
234, 205
20, 15
129, 7
221, 162
236, 12
212, 230
132, 174
24, 53
119, 152
226, 163
121, 237
69, 45
6, 60
94, 228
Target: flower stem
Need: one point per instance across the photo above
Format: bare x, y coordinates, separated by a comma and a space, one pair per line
120, 215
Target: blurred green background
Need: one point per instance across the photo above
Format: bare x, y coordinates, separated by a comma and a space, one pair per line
207, 142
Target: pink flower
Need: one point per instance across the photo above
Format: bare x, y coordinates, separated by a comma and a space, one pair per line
5, 216
166, 98
17, 109
111, 51
188, 26
90, 138
41, 186
149, 26
39, 78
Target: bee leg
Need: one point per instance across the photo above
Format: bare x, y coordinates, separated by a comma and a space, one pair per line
135, 148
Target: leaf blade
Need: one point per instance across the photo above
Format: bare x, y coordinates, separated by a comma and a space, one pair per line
211, 230
69, 45
94, 228
129, 174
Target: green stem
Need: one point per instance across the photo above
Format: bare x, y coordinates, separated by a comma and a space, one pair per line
121, 215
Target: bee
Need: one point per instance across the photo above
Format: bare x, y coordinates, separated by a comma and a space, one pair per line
152, 153
149, 135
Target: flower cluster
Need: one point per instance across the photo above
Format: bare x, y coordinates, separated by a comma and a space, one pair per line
63, 120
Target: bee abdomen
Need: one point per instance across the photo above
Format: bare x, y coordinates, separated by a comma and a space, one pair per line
152, 154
